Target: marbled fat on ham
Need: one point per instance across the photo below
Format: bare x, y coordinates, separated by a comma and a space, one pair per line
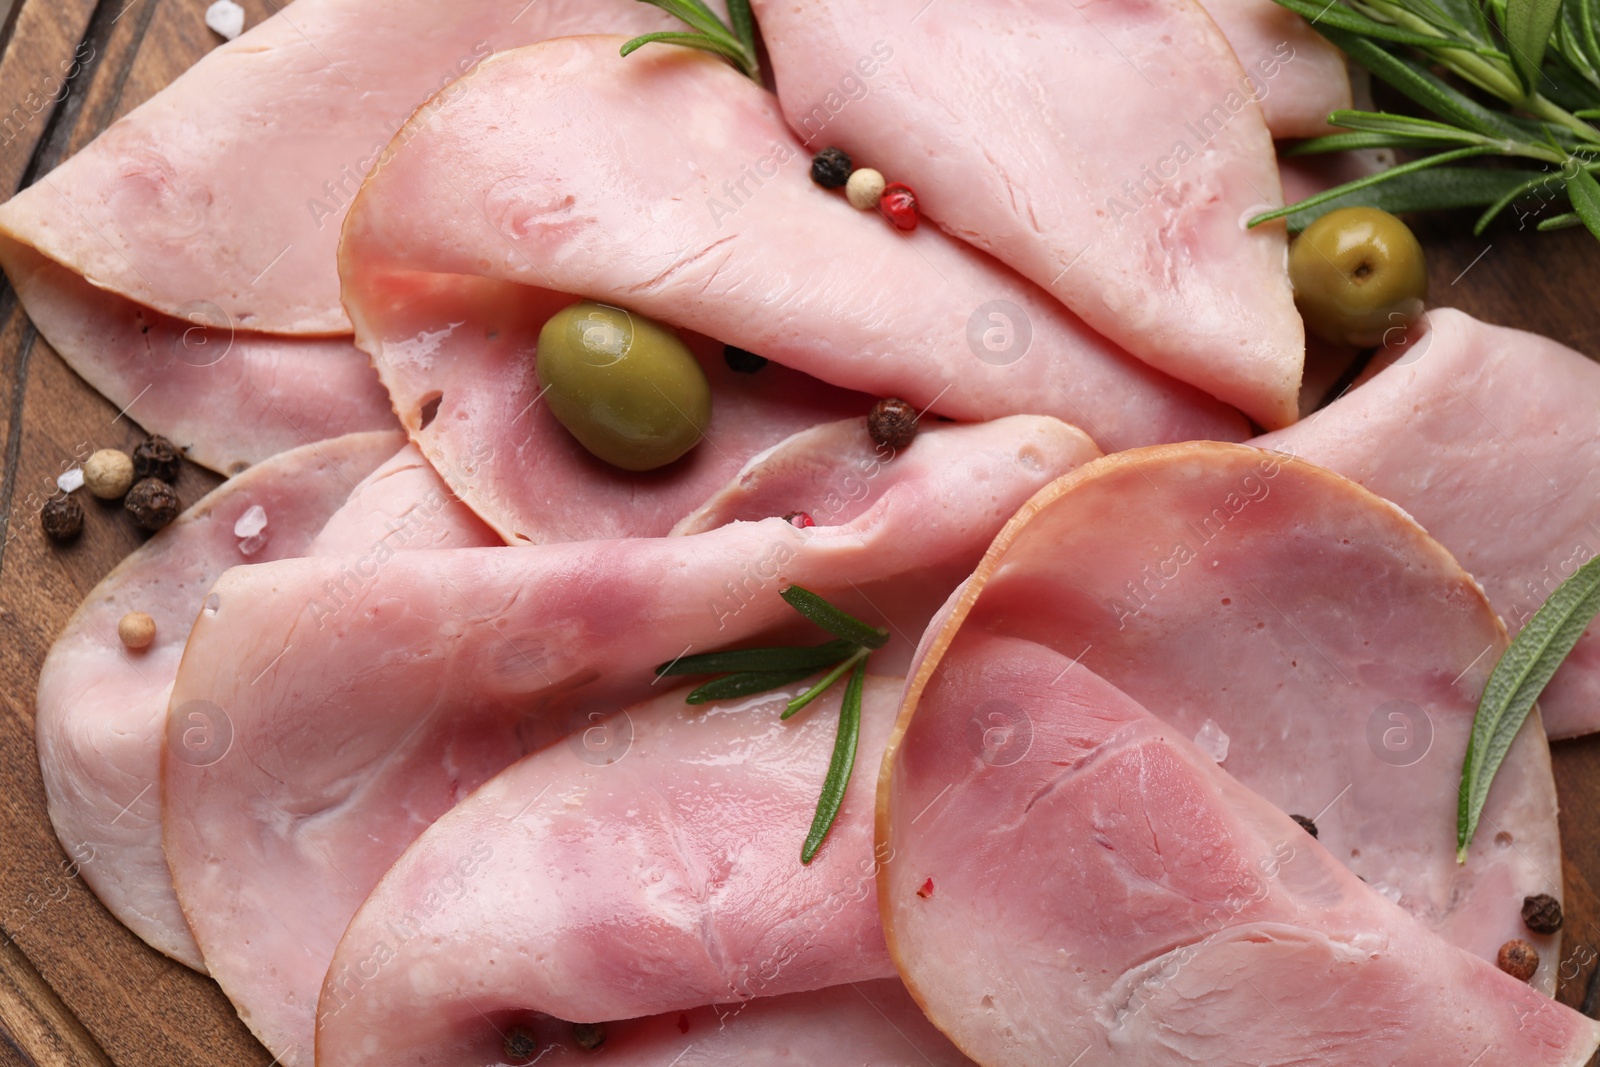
519, 180
430, 672
1486, 437
1109, 895
102, 708
1110, 152
649, 864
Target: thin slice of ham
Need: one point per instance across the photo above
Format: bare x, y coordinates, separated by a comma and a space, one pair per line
1110, 152
459, 363
651, 869
875, 1023
1107, 894
403, 506
387, 689
229, 186
1296, 75
229, 397
1338, 650
102, 707
551, 176
1486, 437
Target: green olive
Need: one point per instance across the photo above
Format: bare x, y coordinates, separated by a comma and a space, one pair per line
625, 386
1357, 273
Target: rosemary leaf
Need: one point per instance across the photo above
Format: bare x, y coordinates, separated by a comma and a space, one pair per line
743, 24
747, 683
813, 657
1529, 24
1516, 682
836, 622
840, 766
1584, 192
1344, 142
1338, 16
1438, 188
1404, 126
1560, 222
693, 12
688, 40
1389, 175
799, 702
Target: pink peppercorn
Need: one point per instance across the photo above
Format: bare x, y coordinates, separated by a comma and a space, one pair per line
899, 205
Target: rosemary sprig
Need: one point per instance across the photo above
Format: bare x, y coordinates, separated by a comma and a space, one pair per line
1540, 59
1524, 669
748, 671
736, 43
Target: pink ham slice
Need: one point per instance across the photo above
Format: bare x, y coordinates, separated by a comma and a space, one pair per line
219, 201
1338, 649
403, 506
550, 177
230, 185
230, 397
459, 363
651, 871
102, 708
1292, 70
1109, 895
1109, 152
386, 691
874, 1023
1484, 436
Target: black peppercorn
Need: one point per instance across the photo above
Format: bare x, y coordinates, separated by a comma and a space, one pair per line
1305, 824
1518, 959
1542, 913
152, 503
589, 1036
519, 1045
62, 518
892, 424
830, 168
741, 361
157, 457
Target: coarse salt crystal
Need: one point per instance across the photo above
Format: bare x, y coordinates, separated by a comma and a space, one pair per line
251, 522
226, 18
70, 480
249, 546
1212, 741
1389, 891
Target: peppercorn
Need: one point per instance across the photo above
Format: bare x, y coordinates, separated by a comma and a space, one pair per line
62, 518
156, 457
830, 168
1305, 824
136, 629
742, 361
152, 503
800, 519
1518, 959
892, 424
1542, 913
108, 473
589, 1036
926, 890
864, 189
899, 205
519, 1045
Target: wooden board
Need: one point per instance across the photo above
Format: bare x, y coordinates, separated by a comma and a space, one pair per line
75, 987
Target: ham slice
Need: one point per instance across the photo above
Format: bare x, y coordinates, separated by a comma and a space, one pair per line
230, 397
387, 690
873, 1023
218, 203
1292, 70
1315, 635
468, 395
102, 707
652, 870
550, 176
1109, 895
1484, 435
402, 506
1109, 152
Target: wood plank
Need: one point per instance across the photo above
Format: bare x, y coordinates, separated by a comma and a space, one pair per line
42, 68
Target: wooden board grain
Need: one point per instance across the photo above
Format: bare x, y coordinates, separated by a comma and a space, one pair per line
75, 987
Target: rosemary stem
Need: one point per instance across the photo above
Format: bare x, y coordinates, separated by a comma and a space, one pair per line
827, 680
